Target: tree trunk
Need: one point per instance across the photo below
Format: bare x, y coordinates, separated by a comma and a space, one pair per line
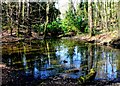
23, 7
11, 26
118, 17
85, 10
19, 20
47, 12
106, 19
16, 12
90, 15
39, 17
28, 17
7, 12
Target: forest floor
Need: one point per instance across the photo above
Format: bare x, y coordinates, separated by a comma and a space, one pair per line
6, 37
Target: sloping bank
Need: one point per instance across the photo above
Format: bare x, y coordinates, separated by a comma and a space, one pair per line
109, 39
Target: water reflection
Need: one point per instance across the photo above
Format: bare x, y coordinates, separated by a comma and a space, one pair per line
25, 64
76, 57
65, 59
36, 71
108, 66
62, 55
55, 57
24, 60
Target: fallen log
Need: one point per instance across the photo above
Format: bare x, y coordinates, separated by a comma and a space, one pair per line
72, 71
89, 77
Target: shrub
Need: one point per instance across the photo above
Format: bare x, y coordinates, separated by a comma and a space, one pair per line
38, 27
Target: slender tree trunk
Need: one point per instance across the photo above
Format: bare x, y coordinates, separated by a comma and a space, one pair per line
90, 15
47, 12
102, 14
85, 10
7, 12
1, 37
100, 17
19, 20
40, 18
23, 7
106, 15
118, 17
95, 15
16, 19
11, 26
28, 17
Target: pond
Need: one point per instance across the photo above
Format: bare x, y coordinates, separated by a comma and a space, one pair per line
36, 60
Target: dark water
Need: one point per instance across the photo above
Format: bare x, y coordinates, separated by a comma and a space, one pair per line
38, 60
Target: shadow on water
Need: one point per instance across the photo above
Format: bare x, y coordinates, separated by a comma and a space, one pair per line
37, 60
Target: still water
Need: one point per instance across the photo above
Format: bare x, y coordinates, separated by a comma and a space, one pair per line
44, 59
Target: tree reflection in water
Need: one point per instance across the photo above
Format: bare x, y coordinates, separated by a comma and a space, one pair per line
58, 56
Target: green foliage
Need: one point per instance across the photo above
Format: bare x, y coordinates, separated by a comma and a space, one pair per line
78, 22
68, 24
86, 29
65, 26
71, 23
54, 26
38, 27
74, 23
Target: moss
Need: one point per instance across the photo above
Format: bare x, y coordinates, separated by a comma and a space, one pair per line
90, 76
